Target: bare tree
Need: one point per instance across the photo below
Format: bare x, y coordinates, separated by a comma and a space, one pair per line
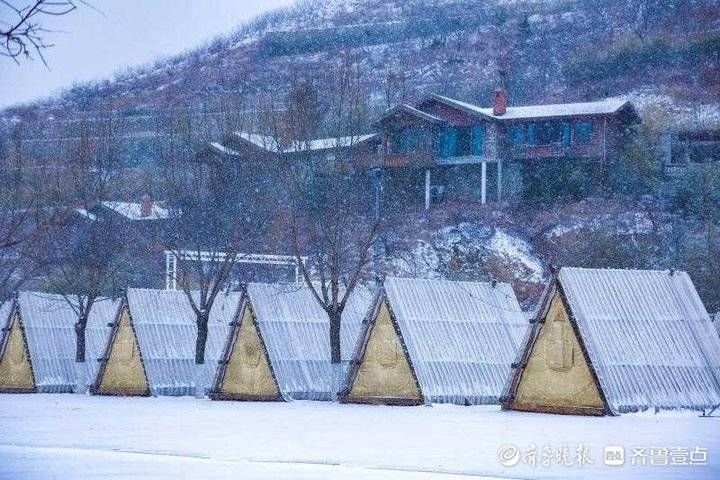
84, 255
22, 218
221, 205
25, 34
330, 221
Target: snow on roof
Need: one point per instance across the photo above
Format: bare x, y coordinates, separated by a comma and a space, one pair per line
648, 336
412, 111
49, 328
296, 333
266, 142
85, 213
133, 211
716, 322
166, 330
219, 147
329, 143
462, 337
601, 107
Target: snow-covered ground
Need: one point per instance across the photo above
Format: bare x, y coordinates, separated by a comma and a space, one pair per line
74, 436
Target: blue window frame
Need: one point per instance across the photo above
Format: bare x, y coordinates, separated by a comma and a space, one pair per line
531, 134
566, 133
583, 132
517, 135
478, 138
447, 142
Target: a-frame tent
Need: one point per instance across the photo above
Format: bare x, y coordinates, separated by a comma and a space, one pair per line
245, 371
16, 374
44, 325
122, 371
279, 347
157, 330
614, 341
436, 341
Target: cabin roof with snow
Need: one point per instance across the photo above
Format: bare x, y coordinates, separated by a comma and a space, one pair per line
295, 330
272, 145
49, 323
461, 337
133, 210
647, 335
166, 331
608, 106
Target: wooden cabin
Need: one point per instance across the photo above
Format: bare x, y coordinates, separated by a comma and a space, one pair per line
606, 342
152, 346
37, 343
436, 341
454, 149
279, 348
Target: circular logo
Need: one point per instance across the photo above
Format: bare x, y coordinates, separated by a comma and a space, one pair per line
509, 455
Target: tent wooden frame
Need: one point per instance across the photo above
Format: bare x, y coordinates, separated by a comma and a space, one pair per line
508, 401
15, 310
217, 393
344, 395
95, 390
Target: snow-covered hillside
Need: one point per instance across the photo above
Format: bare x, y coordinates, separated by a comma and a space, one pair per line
409, 48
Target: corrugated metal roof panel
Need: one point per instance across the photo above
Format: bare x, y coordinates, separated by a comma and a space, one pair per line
462, 337
49, 327
166, 329
296, 331
648, 336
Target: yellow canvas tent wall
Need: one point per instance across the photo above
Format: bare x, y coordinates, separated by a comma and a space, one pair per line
383, 373
246, 372
16, 373
122, 371
599, 345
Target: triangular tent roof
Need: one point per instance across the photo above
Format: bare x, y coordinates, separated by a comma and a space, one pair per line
166, 331
49, 322
645, 334
460, 337
295, 330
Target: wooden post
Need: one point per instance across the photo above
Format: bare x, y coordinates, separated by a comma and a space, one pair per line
427, 189
483, 184
499, 181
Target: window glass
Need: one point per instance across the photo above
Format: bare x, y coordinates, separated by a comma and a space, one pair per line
531, 134
447, 142
549, 132
583, 132
566, 133
478, 137
517, 135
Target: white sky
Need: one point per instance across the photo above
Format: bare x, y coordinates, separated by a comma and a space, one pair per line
89, 45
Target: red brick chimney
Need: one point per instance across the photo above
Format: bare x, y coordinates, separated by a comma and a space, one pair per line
146, 206
500, 102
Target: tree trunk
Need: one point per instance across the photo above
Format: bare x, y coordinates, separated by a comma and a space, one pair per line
80, 366
201, 341
336, 370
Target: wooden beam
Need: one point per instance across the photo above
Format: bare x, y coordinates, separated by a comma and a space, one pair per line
427, 189
483, 184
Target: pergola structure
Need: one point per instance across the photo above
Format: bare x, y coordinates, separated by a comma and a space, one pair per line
172, 257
